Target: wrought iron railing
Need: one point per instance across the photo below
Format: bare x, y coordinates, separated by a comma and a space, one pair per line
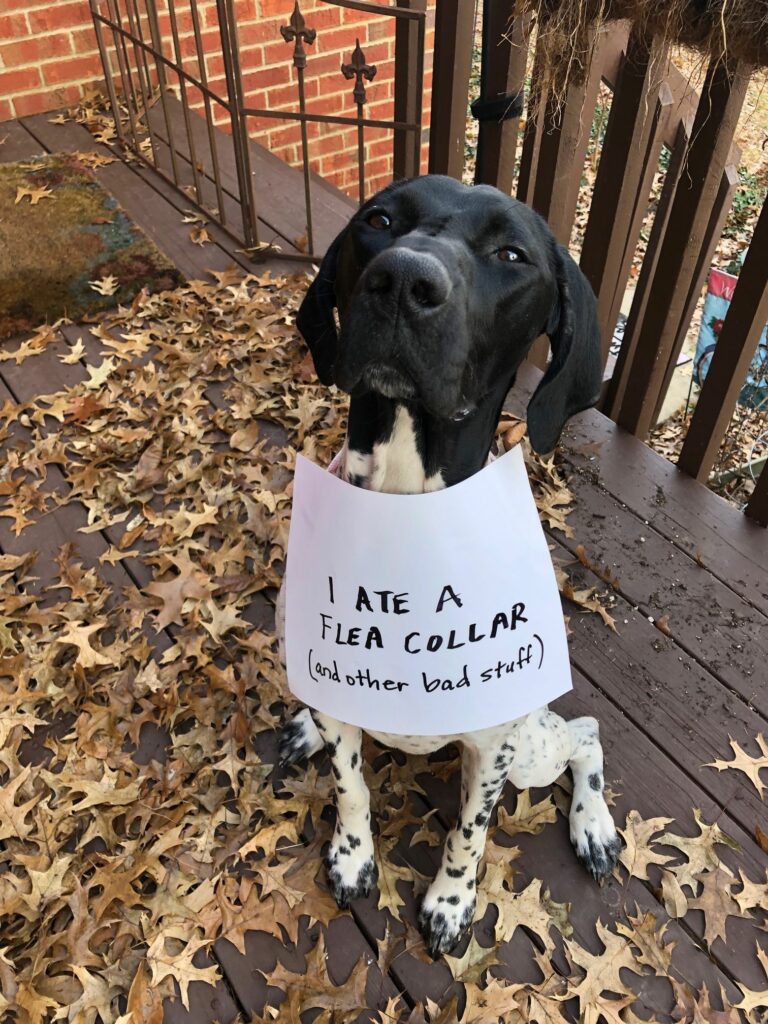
168, 111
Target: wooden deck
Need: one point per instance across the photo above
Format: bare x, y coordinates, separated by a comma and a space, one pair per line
668, 701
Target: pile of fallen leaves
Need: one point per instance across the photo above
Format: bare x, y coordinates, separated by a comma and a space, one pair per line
141, 816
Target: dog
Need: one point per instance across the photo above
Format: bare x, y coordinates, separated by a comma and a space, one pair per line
440, 290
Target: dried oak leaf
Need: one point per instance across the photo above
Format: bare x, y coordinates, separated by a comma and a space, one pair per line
746, 763
755, 999
77, 634
174, 592
602, 975
176, 961
638, 853
699, 850
752, 895
647, 935
527, 817
716, 901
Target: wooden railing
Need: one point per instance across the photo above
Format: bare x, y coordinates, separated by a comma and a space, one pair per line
652, 106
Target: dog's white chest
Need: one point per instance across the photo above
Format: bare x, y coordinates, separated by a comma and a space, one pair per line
394, 466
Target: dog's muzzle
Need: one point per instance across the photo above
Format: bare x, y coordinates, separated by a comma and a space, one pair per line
398, 332
414, 283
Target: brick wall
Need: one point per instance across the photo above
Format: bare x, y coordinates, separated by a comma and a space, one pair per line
48, 55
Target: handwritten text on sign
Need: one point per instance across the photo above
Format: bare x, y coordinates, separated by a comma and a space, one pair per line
428, 614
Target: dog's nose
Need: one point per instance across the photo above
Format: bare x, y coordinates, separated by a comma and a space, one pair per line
417, 279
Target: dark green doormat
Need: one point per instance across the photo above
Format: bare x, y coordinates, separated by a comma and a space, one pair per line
66, 247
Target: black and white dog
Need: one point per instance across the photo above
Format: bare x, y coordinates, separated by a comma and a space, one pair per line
440, 290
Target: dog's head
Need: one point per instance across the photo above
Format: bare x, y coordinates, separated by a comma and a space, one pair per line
441, 289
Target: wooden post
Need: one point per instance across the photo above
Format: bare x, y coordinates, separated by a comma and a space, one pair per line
632, 139
714, 230
757, 506
406, 157
503, 75
714, 126
617, 386
454, 32
735, 349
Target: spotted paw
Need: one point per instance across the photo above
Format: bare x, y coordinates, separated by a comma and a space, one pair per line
351, 872
299, 738
445, 916
594, 836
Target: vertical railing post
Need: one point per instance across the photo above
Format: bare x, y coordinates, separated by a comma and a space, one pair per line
757, 506
716, 118
617, 385
632, 124
454, 35
406, 157
566, 122
502, 87
229, 45
728, 185
735, 349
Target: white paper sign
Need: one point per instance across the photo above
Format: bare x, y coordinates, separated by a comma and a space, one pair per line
422, 614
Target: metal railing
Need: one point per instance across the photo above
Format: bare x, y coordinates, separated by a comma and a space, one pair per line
169, 111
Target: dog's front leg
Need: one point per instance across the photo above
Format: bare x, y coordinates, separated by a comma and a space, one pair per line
449, 903
349, 862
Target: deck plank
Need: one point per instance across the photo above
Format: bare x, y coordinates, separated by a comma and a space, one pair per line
716, 626
702, 524
278, 188
17, 144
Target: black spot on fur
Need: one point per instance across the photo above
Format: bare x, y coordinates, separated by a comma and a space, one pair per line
353, 760
354, 841
579, 807
480, 820
456, 872
331, 748
595, 782
467, 832
344, 851
453, 900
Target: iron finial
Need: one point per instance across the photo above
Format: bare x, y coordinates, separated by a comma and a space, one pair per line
297, 30
359, 70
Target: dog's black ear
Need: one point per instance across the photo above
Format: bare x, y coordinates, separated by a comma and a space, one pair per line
315, 319
573, 377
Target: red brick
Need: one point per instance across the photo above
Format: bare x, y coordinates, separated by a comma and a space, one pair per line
381, 147
38, 102
84, 40
279, 52
265, 77
287, 96
380, 111
18, 80
33, 51
13, 26
353, 17
286, 136
59, 15
276, 8
76, 69
382, 28
259, 32
338, 161
342, 40
329, 104
328, 64
6, 113
324, 18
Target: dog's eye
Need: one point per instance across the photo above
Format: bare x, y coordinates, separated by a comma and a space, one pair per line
378, 220
508, 255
